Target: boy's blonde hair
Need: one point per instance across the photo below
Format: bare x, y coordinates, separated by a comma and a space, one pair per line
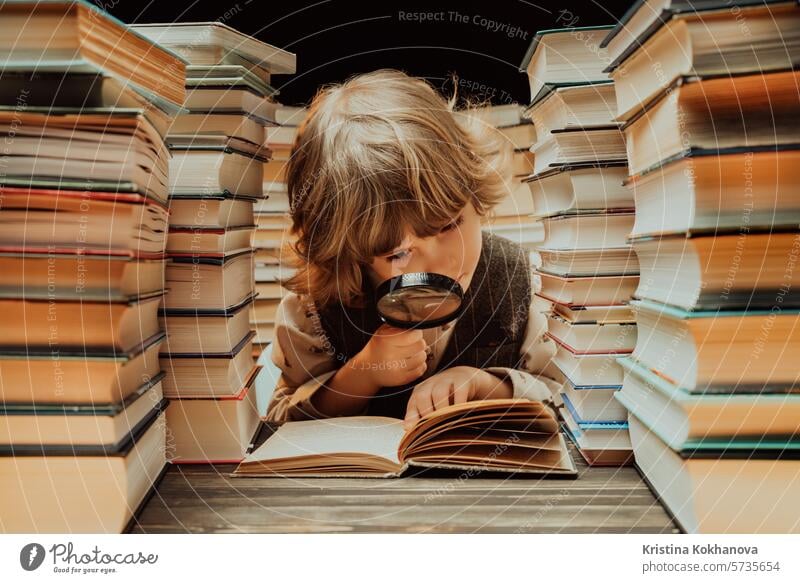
375, 155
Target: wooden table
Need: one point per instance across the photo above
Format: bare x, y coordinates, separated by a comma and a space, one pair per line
204, 499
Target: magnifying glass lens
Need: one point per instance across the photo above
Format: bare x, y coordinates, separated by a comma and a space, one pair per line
420, 300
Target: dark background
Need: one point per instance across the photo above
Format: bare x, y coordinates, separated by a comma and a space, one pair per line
334, 39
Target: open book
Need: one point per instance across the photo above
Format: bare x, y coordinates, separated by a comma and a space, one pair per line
507, 435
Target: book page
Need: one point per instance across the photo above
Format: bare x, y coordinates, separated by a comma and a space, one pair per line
378, 436
465, 412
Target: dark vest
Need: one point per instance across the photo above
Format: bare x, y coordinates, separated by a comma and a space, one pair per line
488, 333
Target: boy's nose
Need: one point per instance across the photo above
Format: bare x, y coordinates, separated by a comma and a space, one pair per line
438, 260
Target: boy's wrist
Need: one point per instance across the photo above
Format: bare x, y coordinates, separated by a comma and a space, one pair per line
362, 374
345, 392
357, 378
361, 371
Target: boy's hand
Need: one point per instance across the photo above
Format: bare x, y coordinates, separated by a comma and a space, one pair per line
455, 385
392, 357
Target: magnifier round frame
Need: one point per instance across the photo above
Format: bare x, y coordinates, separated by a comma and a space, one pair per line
420, 279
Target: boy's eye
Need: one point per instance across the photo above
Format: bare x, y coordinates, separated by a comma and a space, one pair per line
453, 225
399, 256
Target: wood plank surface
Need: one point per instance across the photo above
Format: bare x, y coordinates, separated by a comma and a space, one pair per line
205, 499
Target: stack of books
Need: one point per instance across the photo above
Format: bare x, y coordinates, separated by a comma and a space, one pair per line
218, 151
83, 216
273, 223
588, 270
712, 127
512, 217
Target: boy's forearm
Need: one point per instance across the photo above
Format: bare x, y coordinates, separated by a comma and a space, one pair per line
346, 393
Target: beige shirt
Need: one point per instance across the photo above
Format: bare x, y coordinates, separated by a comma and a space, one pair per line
300, 349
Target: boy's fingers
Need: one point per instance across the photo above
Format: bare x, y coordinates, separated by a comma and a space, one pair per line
441, 395
416, 360
412, 415
424, 400
399, 336
414, 349
420, 370
460, 394
410, 336
416, 364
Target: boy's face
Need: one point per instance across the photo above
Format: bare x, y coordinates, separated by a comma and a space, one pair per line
453, 252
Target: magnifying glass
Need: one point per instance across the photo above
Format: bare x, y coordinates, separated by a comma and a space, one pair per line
414, 300
419, 300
